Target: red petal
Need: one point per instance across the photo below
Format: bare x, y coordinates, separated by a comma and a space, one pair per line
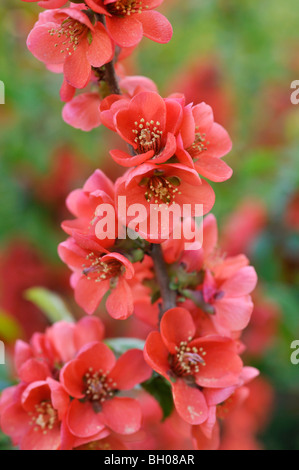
242, 283
126, 32
101, 49
130, 370
156, 26
88, 330
222, 364
22, 353
174, 116
122, 415
168, 151
50, 3
82, 420
94, 5
202, 195
176, 325
98, 180
190, 403
61, 337
188, 128
232, 314
36, 440
126, 160
219, 141
67, 91
120, 302
15, 422
42, 45
202, 442
203, 117
213, 168
88, 293
83, 112
33, 370
156, 354
77, 69
59, 397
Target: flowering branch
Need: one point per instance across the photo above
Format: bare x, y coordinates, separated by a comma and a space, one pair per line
168, 295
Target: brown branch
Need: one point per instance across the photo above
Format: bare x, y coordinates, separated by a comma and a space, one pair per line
168, 295
110, 75
111, 79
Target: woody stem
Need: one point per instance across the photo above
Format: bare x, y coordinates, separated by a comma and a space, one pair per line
168, 296
110, 75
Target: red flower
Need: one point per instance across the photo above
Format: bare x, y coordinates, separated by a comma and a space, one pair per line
162, 186
83, 203
68, 37
130, 86
149, 124
93, 379
191, 364
46, 353
95, 273
228, 283
82, 112
32, 415
128, 21
204, 142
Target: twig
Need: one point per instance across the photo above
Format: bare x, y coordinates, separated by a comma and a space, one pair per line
168, 295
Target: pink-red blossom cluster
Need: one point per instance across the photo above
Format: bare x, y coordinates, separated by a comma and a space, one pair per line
74, 390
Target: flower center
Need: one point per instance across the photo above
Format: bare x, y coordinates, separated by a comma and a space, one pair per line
125, 7
44, 418
98, 387
97, 270
69, 35
199, 145
161, 189
187, 359
147, 136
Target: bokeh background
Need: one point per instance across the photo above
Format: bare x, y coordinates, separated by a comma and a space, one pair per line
239, 57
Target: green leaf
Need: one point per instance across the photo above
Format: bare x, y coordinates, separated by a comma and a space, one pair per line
5, 443
161, 391
9, 328
50, 303
174, 180
121, 345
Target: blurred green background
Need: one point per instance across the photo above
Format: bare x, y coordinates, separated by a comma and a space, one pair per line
241, 58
